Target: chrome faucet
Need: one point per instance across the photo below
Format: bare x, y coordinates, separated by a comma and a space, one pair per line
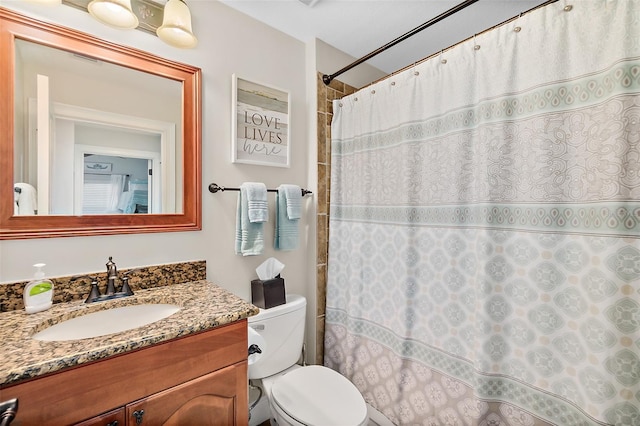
112, 277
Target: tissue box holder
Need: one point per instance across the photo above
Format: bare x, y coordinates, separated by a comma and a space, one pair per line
268, 293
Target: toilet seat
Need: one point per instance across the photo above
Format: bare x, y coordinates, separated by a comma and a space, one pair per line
319, 396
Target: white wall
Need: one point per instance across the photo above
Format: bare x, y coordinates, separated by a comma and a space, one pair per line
229, 43
100, 85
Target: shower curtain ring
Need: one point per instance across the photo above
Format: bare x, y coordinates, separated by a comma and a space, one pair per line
442, 61
517, 29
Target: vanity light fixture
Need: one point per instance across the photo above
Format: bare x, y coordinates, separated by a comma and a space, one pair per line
176, 25
171, 22
116, 13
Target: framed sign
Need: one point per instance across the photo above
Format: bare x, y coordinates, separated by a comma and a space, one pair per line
260, 127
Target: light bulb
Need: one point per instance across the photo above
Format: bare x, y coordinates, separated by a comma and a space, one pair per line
116, 13
176, 25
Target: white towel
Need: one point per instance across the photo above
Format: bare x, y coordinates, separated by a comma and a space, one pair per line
27, 199
256, 195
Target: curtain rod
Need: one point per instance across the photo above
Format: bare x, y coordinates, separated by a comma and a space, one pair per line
214, 187
546, 3
328, 78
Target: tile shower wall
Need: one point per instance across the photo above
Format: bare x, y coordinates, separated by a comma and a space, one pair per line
326, 95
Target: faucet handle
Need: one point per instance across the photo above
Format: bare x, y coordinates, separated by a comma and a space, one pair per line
125, 287
125, 282
95, 291
131, 270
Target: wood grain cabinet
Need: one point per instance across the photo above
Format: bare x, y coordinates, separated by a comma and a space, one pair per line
200, 379
112, 418
208, 400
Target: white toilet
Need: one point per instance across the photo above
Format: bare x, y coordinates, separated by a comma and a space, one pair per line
312, 395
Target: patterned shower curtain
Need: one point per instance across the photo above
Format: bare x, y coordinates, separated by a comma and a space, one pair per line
484, 252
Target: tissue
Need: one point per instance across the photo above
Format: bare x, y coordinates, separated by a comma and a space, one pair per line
268, 290
270, 268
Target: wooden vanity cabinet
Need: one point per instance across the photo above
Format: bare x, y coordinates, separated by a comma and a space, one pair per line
198, 379
208, 400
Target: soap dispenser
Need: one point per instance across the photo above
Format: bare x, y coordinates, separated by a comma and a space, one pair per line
38, 294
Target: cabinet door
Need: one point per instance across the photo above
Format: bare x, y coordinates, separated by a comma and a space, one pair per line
212, 399
112, 418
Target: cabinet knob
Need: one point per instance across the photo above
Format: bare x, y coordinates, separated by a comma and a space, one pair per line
138, 415
113, 423
8, 410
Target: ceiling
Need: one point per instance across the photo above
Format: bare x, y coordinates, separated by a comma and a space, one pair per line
358, 27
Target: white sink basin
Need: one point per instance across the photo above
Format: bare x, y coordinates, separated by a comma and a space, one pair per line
105, 322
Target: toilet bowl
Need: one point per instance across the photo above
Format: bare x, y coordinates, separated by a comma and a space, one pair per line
316, 396
312, 395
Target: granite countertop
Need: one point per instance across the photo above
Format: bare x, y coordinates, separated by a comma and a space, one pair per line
204, 305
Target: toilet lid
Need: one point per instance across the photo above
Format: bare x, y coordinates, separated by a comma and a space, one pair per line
319, 396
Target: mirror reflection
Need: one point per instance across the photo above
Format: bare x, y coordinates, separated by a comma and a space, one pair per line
67, 125
92, 137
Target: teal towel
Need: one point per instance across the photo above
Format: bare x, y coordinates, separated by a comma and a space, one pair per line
256, 196
286, 233
249, 235
293, 194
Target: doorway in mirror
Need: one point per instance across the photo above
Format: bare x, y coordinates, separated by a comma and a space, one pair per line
115, 185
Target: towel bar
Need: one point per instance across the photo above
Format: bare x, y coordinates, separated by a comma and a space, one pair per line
214, 187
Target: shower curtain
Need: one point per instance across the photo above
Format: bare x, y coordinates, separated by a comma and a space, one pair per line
484, 253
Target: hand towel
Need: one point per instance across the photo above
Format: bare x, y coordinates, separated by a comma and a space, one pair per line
250, 234
27, 199
124, 203
286, 233
293, 195
256, 196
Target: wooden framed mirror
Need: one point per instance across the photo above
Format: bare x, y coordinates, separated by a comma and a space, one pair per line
54, 115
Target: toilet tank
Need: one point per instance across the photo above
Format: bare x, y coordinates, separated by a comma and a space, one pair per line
282, 330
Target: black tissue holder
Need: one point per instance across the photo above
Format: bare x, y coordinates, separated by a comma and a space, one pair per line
268, 293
